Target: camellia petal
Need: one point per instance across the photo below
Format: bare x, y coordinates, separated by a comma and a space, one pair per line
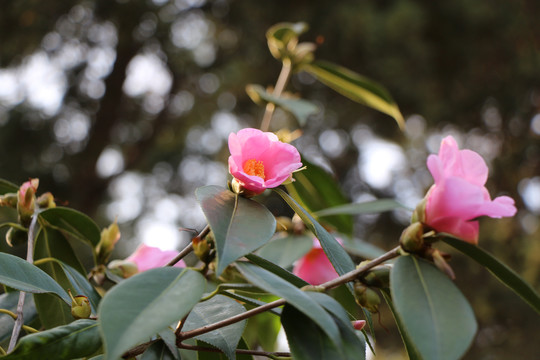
314, 267
260, 161
459, 196
149, 257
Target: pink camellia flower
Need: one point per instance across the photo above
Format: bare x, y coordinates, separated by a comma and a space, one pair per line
459, 196
149, 257
314, 267
260, 161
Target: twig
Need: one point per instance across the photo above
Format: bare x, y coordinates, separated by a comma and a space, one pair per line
326, 286
137, 350
189, 248
282, 80
238, 351
20, 305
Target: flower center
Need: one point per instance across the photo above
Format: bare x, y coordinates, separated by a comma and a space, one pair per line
254, 167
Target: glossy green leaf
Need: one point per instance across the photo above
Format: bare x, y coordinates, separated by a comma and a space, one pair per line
23, 276
51, 243
81, 286
76, 340
211, 311
412, 352
240, 225
73, 223
356, 87
433, 311
213, 355
502, 272
300, 109
250, 301
277, 270
308, 341
158, 351
299, 299
9, 302
335, 252
360, 248
7, 187
169, 339
368, 207
315, 189
145, 304
286, 250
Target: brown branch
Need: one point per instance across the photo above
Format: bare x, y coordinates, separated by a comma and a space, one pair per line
238, 351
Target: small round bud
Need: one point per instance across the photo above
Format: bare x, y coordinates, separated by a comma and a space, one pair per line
26, 201
419, 214
123, 268
411, 239
109, 238
80, 306
46, 201
367, 297
378, 277
358, 324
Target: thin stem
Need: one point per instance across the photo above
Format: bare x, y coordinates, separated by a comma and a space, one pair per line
350, 276
207, 328
20, 305
189, 248
282, 80
238, 351
137, 350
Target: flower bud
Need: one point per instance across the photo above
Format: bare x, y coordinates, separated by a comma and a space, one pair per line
9, 199
80, 306
46, 201
203, 248
359, 324
123, 268
284, 223
109, 238
26, 201
367, 297
411, 239
378, 277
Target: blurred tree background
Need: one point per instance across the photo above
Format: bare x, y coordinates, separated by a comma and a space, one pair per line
122, 108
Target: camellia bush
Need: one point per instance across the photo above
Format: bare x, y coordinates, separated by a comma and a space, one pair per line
276, 271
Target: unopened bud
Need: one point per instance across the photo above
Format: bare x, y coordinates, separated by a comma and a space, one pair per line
239, 189
26, 201
359, 324
109, 238
9, 199
123, 268
80, 306
366, 297
378, 277
46, 201
411, 239
202, 248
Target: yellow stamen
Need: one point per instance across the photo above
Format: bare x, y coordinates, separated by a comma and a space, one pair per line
254, 167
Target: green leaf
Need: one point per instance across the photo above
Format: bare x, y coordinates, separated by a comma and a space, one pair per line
315, 189
8, 301
81, 286
169, 339
23, 276
240, 225
356, 87
335, 252
286, 250
212, 355
52, 244
250, 301
361, 248
277, 270
143, 305
502, 272
412, 352
7, 187
300, 109
308, 341
368, 207
296, 297
76, 340
211, 311
73, 223
435, 314
158, 351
